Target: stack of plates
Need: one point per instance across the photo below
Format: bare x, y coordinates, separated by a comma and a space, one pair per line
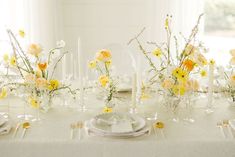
120, 125
5, 126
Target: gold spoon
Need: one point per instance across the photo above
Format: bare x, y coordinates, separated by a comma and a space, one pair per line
226, 125
79, 126
220, 125
160, 126
25, 126
72, 127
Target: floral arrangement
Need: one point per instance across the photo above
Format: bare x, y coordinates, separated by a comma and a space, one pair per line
36, 70
176, 65
102, 64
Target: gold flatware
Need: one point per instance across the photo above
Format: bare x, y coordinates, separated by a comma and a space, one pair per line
25, 126
226, 125
220, 125
72, 127
160, 126
16, 129
79, 126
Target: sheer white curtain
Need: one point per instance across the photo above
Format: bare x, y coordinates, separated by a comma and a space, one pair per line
38, 18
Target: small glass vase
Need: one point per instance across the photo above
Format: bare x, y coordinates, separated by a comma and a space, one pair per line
172, 104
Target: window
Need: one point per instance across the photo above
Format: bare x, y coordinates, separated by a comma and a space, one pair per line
220, 29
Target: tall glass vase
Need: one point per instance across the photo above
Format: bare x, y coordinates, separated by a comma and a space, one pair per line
172, 104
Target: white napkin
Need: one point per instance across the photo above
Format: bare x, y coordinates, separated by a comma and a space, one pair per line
122, 126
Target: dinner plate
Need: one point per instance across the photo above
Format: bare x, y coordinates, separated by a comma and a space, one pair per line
232, 123
2, 121
141, 132
103, 122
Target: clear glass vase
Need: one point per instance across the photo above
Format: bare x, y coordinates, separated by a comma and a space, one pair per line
172, 104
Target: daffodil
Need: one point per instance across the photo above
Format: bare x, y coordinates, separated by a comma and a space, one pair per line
53, 84
107, 110
3, 93
157, 52
103, 55
13, 61
21, 33
103, 80
92, 64
179, 89
203, 73
34, 102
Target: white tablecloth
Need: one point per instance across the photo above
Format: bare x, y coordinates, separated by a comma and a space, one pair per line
51, 137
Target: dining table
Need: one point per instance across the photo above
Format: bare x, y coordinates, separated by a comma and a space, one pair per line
50, 137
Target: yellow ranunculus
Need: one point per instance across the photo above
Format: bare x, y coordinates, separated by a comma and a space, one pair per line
34, 49
3, 93
34, 102
179, 89
203, 73
157, 52
21, 33
53, 84
5, 57
103, 55
13, 61
92, 64
103, 80
107, 110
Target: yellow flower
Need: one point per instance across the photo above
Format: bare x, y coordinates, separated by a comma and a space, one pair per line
42, 66
34, 102
103, 55
38, 73
53, 84
107, 110
92, 64
176, 72
203, 73
13, 61
157, 52
5, 57
232, 80
108, 63
103, 80
183, 77
3, 93
34, 49
188, 64
179, 89
212, 62
21, 33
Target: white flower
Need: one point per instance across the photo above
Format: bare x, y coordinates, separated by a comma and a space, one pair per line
60, 43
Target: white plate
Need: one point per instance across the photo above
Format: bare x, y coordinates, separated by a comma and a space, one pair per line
232, 123
2, 121
141, 132
103, 123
